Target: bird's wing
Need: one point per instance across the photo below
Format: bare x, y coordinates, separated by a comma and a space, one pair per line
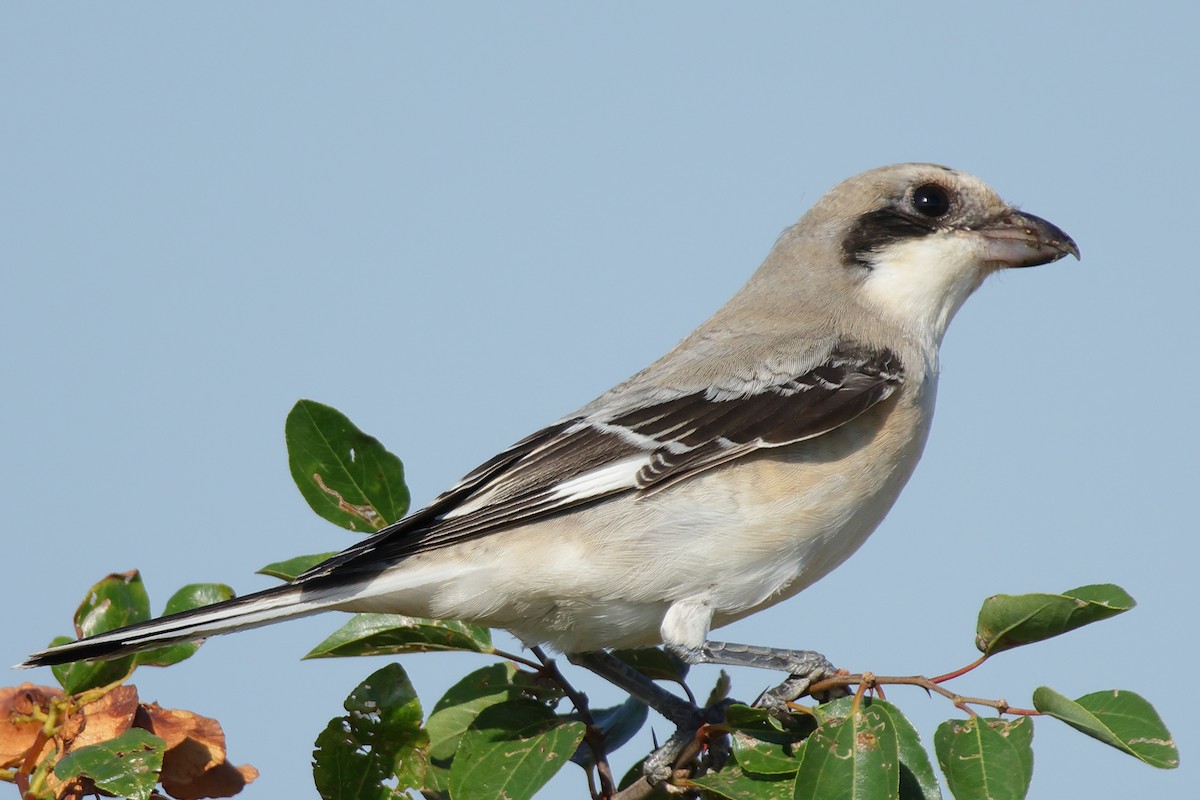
639, 448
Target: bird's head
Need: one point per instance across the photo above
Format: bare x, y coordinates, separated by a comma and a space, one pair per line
909, 243
919, 238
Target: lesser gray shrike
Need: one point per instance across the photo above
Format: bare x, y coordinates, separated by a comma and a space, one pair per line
727, 476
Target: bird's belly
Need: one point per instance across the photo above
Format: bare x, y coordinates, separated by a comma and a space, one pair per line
737, 538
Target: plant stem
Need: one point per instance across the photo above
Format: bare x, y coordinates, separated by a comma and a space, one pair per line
594, 736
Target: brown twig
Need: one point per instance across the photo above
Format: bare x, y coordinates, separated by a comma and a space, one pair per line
593, 735
961, 670
929, 684
866, 681
525, 662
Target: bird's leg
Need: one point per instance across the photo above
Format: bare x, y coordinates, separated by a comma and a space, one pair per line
686, 717
804, 667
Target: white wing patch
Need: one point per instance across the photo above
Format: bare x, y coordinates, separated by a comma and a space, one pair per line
616, 477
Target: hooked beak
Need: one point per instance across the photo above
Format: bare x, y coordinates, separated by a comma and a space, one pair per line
1025, 240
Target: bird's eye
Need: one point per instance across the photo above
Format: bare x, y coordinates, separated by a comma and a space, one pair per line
931, 200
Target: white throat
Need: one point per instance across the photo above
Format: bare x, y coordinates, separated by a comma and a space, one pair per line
921, 283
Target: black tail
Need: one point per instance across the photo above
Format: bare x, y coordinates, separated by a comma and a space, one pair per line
261, 608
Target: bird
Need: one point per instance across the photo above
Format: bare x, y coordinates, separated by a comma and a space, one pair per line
744, 465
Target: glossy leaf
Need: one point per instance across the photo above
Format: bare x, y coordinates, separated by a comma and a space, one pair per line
114, 602
437, 782
917, 778
762, 724
834, 709
1121, 719
618, 724
1007, 621
457, 709
763, 757
986, 757
734, 784
293, 568
655, 663
346, 476
379, 739
191, 596
511, 750
125, 766
394, 634
856, 756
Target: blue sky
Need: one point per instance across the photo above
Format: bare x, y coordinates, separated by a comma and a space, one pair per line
457, 224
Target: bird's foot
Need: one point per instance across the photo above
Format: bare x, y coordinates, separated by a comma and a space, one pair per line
806, 669
662, 763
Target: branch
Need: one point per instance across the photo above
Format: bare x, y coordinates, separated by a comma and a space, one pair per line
929, 684
593, 736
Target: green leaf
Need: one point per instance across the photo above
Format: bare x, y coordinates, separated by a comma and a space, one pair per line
126, 766
617, 724
763, 757
381, 738
1007, 621
394, 634
463, 701
988, 758
191, 596
917, 779
293, 568
734, 784
1118, 718
511, 750
346, 476
437, 783
751, 719
116, 601
763, 724
856, 756
655, 663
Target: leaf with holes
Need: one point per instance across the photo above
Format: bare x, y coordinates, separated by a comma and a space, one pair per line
127, 766
380, 739
346, 476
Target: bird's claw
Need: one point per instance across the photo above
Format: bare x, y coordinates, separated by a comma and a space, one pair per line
661, 764
804, 672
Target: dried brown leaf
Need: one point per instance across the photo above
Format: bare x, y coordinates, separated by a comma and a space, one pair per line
16, 738
106, 718
224, 780
195, 744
